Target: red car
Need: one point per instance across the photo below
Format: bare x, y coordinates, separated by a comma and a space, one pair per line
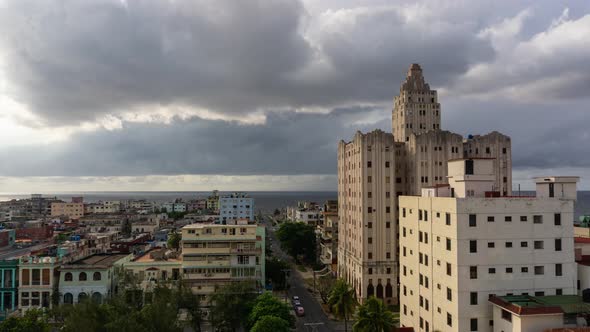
299, 311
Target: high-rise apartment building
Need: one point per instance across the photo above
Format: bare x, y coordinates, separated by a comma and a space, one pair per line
464, 242
234, 207
377, 167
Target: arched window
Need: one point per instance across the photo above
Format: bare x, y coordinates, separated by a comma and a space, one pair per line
68, 298
82, 276
380, 291
97, 297
370, 290
388, 290
96, 276
82, 296
68, 276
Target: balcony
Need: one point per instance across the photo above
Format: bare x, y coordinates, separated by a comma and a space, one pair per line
252, 251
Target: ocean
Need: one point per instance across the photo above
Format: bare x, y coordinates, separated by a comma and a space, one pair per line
265, 201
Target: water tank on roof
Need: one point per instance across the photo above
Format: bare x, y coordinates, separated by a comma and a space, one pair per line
46, 259
470, 136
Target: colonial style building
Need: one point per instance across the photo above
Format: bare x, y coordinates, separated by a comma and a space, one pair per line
377, 167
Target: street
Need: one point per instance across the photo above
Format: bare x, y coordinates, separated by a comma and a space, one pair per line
315, 319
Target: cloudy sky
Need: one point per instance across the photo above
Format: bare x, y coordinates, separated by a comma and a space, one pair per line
255, 95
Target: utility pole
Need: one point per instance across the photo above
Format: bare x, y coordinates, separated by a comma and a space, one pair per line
287, 273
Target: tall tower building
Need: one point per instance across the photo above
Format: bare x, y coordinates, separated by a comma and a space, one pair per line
377, 167
416, 110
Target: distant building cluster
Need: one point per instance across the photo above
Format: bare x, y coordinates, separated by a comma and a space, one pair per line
77, 250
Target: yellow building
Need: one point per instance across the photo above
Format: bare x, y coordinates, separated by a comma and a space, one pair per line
214, 255
72, 210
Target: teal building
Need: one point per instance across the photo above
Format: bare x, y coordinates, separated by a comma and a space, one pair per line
8, 287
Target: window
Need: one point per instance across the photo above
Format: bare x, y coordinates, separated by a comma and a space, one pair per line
559, 291
557, 219
469, 167
473, 322
508, 244
557, 244
387, 209
370, 240
449, 270
369, 209
370, 270
472, 220
473, 272
492, 270
473, 298
523, 218
524, 269
369, 194
369, 179
387, 164
473, 246
425, 215
508, 218
503, 150
82, 276
506, 315
491, 245
448, 244
448, 219
537, 219
369, 224
559, 270
449, 319
539, 270
539, 245
508, 270
540, 293
369, 164
68, 276
449, 294
388, 225
404, 212
490, 218
524, 244
370, 255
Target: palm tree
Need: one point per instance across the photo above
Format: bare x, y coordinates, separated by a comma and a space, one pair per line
342, 301
373, 316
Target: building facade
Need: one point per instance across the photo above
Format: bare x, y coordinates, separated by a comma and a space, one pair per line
8, 287
236, 206
37, 275
464, 242
215, 255
72, 210
328, 235
375, 168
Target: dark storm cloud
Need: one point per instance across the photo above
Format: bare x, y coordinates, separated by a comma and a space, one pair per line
290, 143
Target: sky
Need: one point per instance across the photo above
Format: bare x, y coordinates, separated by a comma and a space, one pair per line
255, 95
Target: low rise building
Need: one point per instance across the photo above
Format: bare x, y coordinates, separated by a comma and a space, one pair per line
8, 287
462, 243
92, 277
328, 235
156, 266
37, 276
71, 210
525, 313
213, 202
215, 255
7, 238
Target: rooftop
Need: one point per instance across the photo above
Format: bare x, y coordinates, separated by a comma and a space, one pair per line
201, 226
569, 179
147, 257
541, 305
98, 261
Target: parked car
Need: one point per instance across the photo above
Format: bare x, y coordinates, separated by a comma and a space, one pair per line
299, 311
295, 298
296, 303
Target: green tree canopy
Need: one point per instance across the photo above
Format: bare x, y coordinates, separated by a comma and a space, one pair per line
299, 240
231, 305
342, 301
268, 305
174, 240
274, 272
34, 320
373, 316
271, 324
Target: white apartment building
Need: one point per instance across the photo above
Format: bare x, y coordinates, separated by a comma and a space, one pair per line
234, 207
377, 167
463, 242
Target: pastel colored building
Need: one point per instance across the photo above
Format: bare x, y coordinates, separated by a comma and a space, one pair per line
156, 266
37, 276
8, 287
234, 207
92, 277
215, 255
71, 210
7, 237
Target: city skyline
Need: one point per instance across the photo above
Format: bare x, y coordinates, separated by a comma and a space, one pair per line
116, 95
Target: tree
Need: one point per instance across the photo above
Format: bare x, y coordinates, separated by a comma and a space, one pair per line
271, 323
174, 240
342, 301
34, 320
373, 316
277, 213
299, 240
231, 305
325, 285
274, 273
268, 305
